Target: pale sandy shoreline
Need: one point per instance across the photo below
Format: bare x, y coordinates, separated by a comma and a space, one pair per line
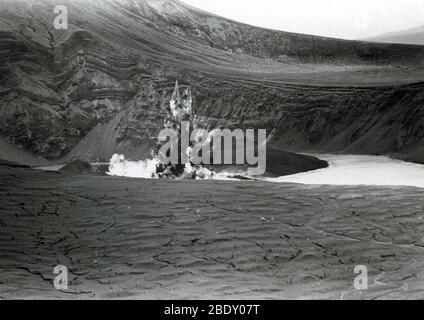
360, 170
151, 239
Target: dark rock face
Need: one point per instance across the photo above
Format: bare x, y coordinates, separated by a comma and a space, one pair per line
371, 121
101, 87
368, 120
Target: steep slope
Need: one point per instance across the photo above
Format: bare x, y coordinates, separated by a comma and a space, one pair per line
102, 86
409, 36
13, 154
355, 120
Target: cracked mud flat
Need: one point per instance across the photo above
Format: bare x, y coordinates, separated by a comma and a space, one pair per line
148, 239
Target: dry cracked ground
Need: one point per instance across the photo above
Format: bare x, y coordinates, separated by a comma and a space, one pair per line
148, 239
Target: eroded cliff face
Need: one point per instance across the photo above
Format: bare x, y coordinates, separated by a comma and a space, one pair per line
373, 120
102, 86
